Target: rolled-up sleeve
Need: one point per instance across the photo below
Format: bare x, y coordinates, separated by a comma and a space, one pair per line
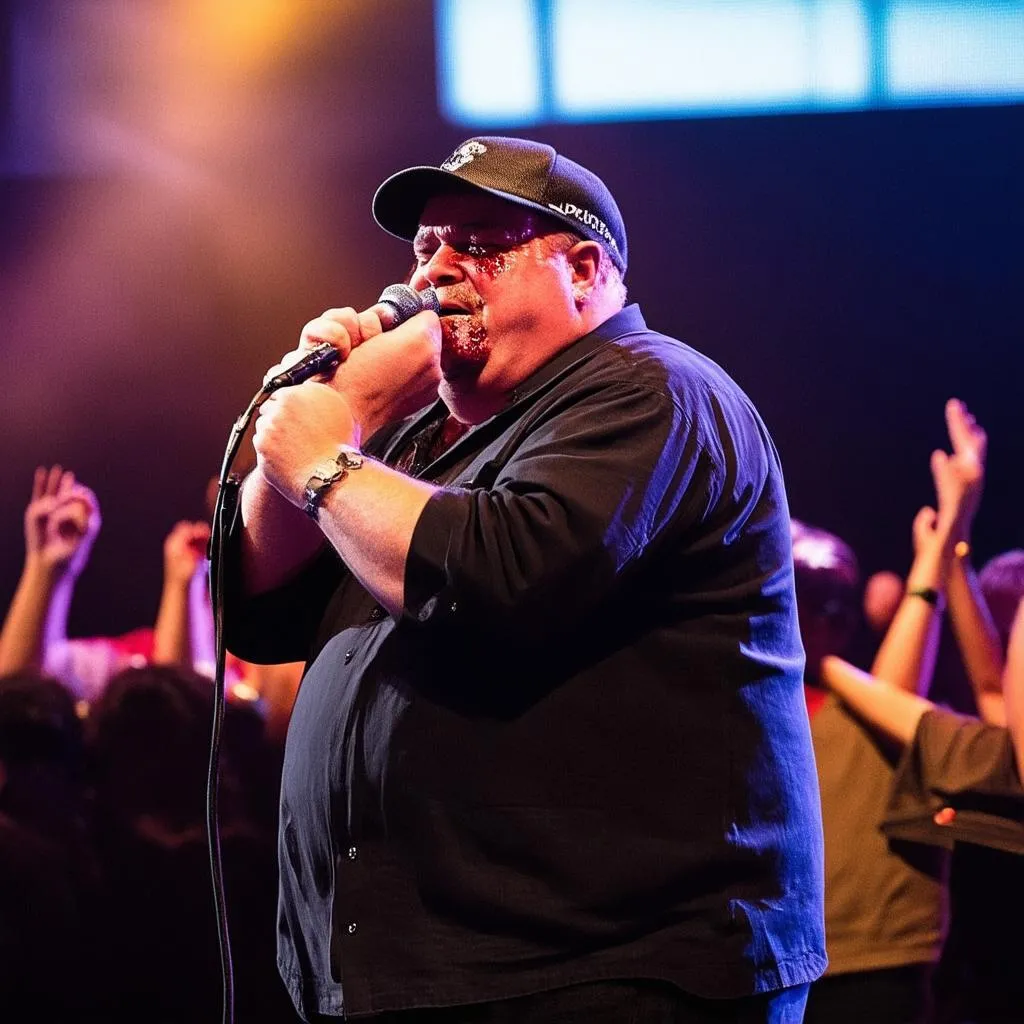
279, 625
588, 491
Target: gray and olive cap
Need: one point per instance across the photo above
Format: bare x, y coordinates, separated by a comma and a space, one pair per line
524, 172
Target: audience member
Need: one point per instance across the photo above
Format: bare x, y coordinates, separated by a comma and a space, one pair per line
105, 907
884, 907
148, 736
48, 895
62, 520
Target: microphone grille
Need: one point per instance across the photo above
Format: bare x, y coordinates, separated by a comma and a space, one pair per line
407, 302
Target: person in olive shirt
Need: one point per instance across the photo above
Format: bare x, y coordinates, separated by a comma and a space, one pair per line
550, 758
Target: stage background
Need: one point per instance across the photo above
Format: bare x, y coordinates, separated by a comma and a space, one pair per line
178, 196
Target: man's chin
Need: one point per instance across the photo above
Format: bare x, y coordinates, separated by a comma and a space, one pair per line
457, 367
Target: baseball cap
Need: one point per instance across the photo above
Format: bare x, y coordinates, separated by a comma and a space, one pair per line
528, 173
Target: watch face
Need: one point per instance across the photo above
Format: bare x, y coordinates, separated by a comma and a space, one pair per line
326, 471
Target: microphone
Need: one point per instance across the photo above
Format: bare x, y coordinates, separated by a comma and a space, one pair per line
397, 303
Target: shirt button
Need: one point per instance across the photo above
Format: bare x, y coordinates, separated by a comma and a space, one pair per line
453, 607
352, 927
377, 614
353, 852
350, 654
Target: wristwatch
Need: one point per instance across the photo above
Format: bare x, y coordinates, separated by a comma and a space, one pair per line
326, 475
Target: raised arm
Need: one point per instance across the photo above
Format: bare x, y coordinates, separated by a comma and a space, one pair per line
979, 641
62, 519
888, 709
184, 556
976, 633
906, 657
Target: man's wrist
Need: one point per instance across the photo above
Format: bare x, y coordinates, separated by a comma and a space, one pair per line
326, 475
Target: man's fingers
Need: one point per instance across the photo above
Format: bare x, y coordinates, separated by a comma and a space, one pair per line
39, 482
369, 325
337, 327
288, 360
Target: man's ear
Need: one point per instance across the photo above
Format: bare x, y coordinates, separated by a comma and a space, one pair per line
584, 260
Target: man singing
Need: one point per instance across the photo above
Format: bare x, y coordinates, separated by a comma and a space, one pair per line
550, 759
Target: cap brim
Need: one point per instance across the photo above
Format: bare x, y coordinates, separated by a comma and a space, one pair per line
399, 203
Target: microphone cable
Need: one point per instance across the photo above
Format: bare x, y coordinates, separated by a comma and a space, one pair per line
401, 302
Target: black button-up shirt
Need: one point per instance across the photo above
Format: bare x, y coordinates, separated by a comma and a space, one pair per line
582, 751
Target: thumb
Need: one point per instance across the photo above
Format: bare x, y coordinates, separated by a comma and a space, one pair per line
924, 521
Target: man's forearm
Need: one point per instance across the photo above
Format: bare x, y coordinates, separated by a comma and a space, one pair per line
278, 539
369, 517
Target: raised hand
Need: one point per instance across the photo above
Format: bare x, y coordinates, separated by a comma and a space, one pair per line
960, 477
62, 519
923, 529
184, 551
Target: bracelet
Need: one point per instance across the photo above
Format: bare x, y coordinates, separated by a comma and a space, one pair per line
929, 594
326, 475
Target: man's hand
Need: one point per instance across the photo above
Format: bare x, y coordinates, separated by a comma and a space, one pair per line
184, 552
384, 376
62, 519
393, 374
298, 428
345, 329
959, 477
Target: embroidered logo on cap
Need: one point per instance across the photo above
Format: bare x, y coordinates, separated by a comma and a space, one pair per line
463, 155
586, 217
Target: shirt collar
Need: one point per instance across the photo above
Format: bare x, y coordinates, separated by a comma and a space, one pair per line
628, 320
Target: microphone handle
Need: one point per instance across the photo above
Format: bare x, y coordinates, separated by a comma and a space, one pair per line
323, 358
397, 303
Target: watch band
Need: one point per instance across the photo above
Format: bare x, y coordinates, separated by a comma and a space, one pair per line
326, 475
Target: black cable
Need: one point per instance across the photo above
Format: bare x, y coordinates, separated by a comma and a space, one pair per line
223, 516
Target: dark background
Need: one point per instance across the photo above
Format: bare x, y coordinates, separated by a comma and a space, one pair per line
171, 213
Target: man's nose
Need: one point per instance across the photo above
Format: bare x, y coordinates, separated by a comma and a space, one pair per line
442, 268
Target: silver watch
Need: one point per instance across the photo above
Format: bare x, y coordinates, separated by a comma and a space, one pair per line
326, 475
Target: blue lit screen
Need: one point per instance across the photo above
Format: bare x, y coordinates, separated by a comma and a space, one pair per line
507, 62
